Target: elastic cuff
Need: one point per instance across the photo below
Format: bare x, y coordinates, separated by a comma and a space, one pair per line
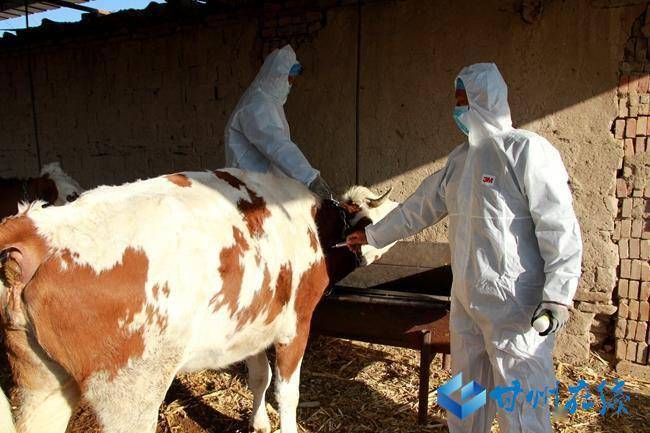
312, 177
370, 237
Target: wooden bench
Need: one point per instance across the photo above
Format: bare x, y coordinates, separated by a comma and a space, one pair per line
410, 312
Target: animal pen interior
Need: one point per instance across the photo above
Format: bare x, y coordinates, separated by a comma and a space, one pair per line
140, 93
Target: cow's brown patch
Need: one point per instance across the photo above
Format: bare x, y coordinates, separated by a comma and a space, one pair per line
313, 239
260, 302
254, 212
154, 315
75, 312
231, 270
310, 290
179, 179
282, 293
267, 300
229, 178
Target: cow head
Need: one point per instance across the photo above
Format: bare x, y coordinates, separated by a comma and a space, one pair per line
68, 189
365, 208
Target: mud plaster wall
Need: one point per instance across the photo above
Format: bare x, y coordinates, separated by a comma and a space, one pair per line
155, 99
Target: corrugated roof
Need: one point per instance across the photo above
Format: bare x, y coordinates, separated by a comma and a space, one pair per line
16, 8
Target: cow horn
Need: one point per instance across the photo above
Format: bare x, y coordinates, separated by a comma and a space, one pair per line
376, 202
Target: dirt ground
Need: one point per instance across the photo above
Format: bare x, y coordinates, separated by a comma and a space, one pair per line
352, 387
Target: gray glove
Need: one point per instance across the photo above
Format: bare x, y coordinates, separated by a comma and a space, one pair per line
558, 315
319, 187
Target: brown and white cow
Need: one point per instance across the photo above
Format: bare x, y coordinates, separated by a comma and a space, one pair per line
108, 298
53, 186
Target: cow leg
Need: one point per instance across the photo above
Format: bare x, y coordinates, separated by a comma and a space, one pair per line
287, 382
46, 411
259, 379
45, 395
128, 400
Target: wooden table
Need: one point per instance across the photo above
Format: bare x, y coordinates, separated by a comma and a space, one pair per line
401, 313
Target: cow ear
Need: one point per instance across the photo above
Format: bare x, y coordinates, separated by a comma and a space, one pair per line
16, 267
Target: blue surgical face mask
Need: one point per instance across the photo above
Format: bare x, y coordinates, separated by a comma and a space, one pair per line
459, 111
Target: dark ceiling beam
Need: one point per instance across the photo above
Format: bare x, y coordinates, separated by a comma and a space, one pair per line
65, 4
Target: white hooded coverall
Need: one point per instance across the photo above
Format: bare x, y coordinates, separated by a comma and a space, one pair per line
257, 135
515, 241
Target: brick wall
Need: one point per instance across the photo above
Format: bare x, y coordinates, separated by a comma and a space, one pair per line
632, 228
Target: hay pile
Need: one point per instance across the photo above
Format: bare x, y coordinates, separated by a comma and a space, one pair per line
352, 387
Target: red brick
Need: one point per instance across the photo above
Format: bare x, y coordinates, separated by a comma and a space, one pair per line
642, 353
631, 329
619, 128
637, 228
631, 351
635, 270
623, 111
645, 270
621, 349
641, 125
641, 331
626, 267
624, 248
623, 309
626, 228
644, 311
623, 81
623, 288
621, 327
630, 127
626, 209
634, 248
633, 291
639, 145
633, 312
645, 249
644, 293
642, 83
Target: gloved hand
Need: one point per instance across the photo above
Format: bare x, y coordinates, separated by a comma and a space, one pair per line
558, 315
319, 187
356, 240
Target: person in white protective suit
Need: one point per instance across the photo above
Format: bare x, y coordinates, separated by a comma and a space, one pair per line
516, 249
257, 135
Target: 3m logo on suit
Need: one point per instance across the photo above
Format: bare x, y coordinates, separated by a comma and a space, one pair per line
487, 179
